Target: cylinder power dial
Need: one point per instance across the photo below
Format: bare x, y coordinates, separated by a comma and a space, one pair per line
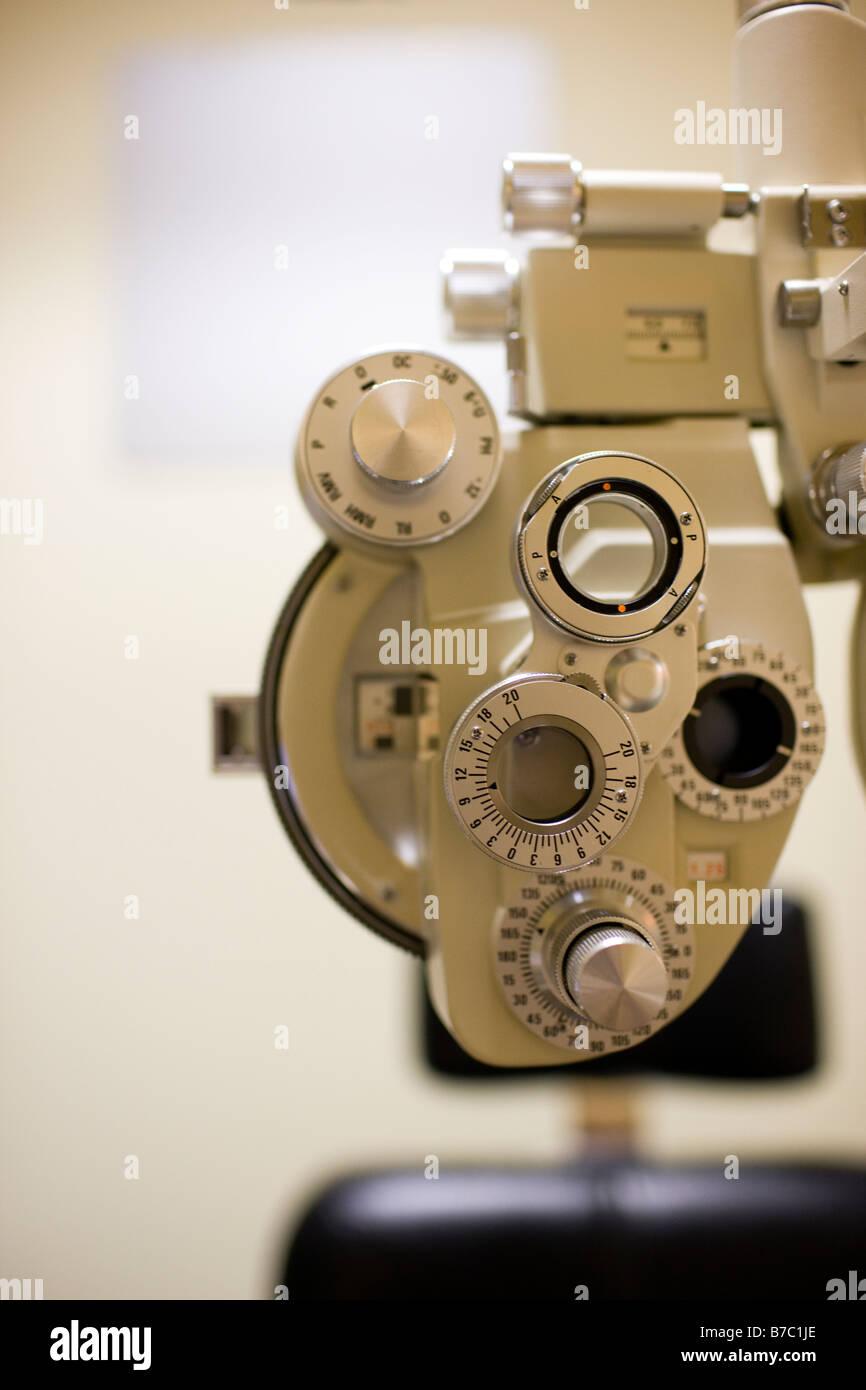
543, 772
593, 961
401, 448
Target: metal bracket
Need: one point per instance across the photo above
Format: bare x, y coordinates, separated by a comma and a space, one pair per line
234, 733
837, 221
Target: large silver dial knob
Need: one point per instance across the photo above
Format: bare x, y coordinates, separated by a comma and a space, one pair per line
398, 449
400, 436
615, 976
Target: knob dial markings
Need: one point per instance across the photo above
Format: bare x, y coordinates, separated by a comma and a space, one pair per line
593, 961
398, 449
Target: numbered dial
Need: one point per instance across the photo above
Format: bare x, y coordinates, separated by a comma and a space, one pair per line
753, 739
593, 962
400, 449
543, 773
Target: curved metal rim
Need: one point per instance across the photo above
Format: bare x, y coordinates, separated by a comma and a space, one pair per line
609, 713
287, 810
574, 476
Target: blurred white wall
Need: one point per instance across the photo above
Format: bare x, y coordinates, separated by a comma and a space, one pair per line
262, 128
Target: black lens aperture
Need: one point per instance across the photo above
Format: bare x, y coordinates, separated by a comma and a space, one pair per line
740, 732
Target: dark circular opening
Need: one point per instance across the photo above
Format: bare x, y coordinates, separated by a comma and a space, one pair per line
543, 773
741, 731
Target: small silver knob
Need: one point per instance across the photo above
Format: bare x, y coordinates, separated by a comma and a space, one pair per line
637, 679
542, 193
402, 437
616, 977
479, 292
798, 304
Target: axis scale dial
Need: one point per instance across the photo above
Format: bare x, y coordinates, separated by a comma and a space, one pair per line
593, 960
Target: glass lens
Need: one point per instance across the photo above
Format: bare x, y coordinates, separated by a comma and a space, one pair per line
608, 550
543, 773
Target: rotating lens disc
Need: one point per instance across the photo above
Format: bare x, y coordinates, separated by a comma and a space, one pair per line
753, 738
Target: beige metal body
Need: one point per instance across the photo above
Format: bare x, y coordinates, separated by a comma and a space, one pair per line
647, 327
751, 589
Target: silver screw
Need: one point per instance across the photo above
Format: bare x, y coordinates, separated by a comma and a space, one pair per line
620, 796
476, 732
680, 629
686, 518
840, 236
844, 288
645, 747
837, 211
542, 573
569, 659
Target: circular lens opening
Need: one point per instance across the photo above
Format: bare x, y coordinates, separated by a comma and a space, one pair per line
612, 547
543, 773
742, 732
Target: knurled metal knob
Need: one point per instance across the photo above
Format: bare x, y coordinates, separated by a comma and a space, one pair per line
615, 976
840, 475
479, 292
542, 193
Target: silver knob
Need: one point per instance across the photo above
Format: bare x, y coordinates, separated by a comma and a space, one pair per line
840, 475
542, 193
479, 292
798, 304
637, 679
616, 977
752, 9
401, 436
